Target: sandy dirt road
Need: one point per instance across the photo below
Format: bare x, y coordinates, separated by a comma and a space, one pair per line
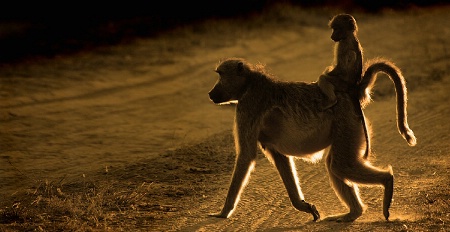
68, 116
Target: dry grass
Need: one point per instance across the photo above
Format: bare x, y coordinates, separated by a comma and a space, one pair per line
136, 196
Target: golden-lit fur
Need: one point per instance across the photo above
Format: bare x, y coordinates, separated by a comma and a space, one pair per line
374, 66
285, 119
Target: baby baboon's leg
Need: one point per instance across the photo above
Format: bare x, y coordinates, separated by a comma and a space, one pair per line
286, 167
328, 89
348, 194
242, 169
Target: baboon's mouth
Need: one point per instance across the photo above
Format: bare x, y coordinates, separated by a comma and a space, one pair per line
217, 98
214, 100
223, 102
230, 102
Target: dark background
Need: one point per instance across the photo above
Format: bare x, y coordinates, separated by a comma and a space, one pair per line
40, 29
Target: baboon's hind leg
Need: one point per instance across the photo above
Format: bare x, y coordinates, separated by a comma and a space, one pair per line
286, 167
348, 194
365, 173
358, 171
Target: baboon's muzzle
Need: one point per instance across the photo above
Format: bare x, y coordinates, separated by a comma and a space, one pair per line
216, 96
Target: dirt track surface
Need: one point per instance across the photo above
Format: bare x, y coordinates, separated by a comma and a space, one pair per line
141, 112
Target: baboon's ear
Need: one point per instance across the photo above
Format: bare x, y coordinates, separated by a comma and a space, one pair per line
240, 66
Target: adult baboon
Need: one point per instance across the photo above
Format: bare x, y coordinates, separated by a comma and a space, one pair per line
284, 118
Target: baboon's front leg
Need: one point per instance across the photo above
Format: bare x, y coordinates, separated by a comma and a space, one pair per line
241, 174
245, 133
286, 167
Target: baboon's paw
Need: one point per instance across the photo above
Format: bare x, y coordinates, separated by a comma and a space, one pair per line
388, 193
315, 213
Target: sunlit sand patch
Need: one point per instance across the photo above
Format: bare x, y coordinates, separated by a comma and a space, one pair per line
405, 217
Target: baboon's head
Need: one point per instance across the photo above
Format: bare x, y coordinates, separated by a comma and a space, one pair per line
342, 25
232, 81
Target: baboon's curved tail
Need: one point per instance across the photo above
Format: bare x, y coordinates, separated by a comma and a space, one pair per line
367, 83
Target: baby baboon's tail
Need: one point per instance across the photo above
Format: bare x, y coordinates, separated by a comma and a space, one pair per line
367, 83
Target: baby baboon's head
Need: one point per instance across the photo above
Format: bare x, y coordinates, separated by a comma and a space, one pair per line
232, 81
343, 25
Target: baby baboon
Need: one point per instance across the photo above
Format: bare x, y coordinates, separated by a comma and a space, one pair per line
284, 118
346, 74
347, 58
